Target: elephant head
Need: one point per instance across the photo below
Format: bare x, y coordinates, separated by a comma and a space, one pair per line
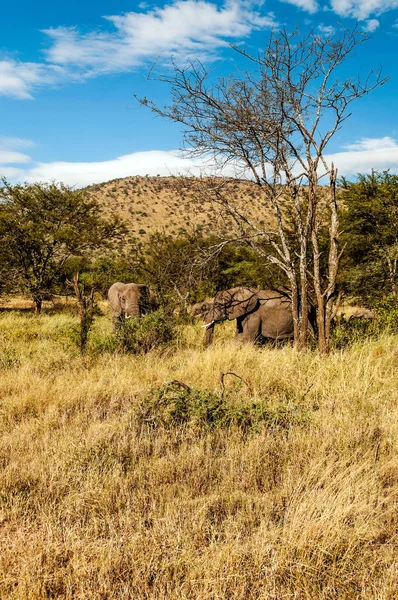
227, 305
200, 310
128, 299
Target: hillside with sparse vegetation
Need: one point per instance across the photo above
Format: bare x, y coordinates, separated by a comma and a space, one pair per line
170, 205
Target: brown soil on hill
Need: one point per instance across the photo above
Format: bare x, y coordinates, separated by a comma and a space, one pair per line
152, 204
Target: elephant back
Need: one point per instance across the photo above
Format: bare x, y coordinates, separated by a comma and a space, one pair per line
235, 303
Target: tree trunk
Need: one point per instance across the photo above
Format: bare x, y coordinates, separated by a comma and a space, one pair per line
86, 312
303, 301
334, 257
295, 310
38, 301
323, 344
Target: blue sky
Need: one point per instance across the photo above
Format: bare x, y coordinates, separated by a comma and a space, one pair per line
69, 72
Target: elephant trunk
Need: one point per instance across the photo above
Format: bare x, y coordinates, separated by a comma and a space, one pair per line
209, 333
133, 310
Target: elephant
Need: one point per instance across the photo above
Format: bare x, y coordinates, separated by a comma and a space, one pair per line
128, 300
272, 318
363, 314
258, 314
264, 313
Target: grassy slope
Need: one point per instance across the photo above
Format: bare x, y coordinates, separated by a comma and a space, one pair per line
93, 506
149, 204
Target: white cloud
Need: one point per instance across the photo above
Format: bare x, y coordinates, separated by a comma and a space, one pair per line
372, 144
12, 173
359, 157
186, 28
152, 162
367, 154
18, 79
13, 143
362, 9
371, 25
310, 6
358, 9
326, 29
9, 156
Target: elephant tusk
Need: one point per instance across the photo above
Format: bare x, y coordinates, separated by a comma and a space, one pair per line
207, 325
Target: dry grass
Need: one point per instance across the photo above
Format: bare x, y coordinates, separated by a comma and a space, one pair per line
96, 505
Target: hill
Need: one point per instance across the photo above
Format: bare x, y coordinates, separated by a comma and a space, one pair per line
169, 204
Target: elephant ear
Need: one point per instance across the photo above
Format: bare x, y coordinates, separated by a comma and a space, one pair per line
240, 302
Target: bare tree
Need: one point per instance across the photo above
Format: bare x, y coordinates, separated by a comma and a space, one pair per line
273, 124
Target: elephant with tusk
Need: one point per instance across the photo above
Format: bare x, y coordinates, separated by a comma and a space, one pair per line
128, 300
231, 304
258, 314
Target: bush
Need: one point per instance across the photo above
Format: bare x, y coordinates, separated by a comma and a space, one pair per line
387, 311
140, 335
176, 404
349, 331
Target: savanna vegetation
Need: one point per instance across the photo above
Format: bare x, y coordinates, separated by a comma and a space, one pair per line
153, 468
135, 463
153, 476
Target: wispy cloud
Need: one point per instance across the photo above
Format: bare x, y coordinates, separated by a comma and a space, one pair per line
372, 144
9, 157
184, 28
358, 9
371, 25
362, 9
326, 29
358, 157
18, 79
15, 143
310, 6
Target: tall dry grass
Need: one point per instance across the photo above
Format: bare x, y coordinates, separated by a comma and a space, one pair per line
96, 504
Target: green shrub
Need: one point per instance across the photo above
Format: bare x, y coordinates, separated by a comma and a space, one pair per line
349, 331
140, 335
176, 404
387, 312
99, 344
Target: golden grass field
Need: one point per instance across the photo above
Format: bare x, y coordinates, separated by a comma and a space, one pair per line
96, 504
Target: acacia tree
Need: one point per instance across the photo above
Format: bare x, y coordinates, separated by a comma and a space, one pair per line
42, 225
370, 227
273, 123
171, 265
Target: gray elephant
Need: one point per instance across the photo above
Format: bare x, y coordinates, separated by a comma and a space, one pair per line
128, 300
258, 314
265, 313
271, 319
363, 314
